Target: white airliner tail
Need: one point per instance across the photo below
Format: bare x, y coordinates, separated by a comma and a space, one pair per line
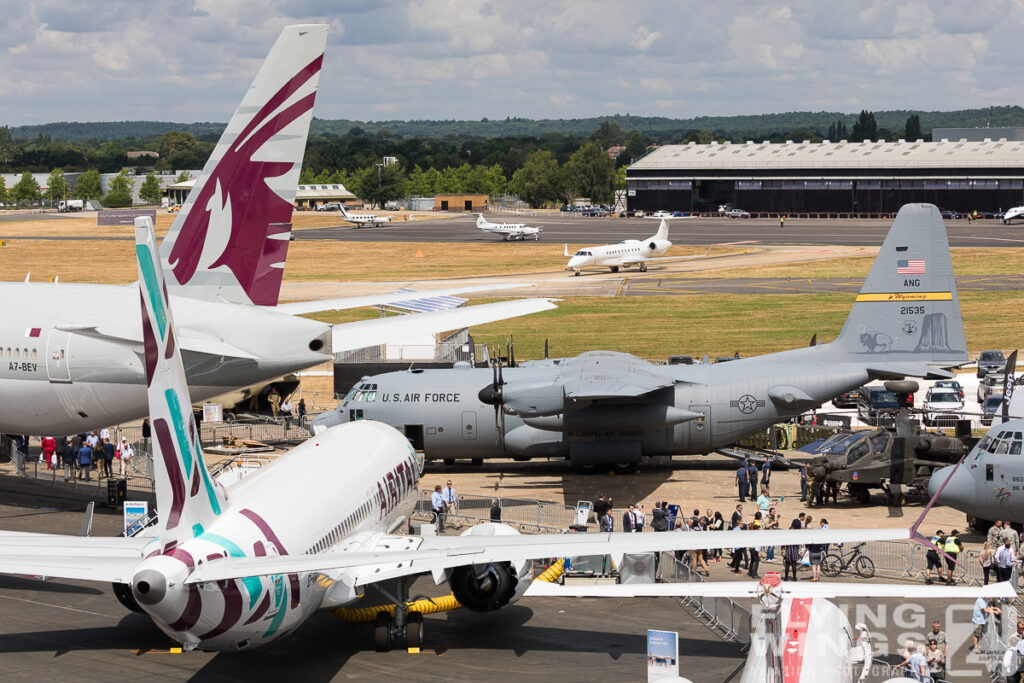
186, 496
662, 233
482, 222
230, 240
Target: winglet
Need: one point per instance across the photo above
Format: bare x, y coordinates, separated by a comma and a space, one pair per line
186, 496
565, 249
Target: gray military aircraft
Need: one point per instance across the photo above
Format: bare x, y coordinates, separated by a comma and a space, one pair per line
988, 484
605, 407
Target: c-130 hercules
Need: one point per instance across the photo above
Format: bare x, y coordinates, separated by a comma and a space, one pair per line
605, 407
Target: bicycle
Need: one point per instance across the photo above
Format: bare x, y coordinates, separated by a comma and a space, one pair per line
833, 564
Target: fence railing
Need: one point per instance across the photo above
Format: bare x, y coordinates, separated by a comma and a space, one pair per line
723, 615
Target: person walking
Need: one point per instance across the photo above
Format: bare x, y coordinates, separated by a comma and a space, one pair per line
782, 221
629, 520
286, 413
742, 483
932, 557
1005, 560
450, 502
125, 453
766, 473
437, 506
495, 510
754, 554
84, 460
987, 560
68, 459
752, 477
274, 399
108, 458
739, 555
48, 447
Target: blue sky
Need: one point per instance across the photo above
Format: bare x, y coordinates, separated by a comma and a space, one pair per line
191, 60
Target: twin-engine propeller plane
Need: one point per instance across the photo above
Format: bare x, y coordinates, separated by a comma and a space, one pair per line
509, 231
71, 353
611, 408
231, 567
363, 219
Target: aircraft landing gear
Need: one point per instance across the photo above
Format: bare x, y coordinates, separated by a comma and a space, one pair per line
615, 269
860, 492
643, 267
576, 273
405, 626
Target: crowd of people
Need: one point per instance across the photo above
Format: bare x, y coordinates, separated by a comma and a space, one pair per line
79, 455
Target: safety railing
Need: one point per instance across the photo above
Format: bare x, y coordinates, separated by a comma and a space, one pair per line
514, 511
455, 524
722, 615
137, 473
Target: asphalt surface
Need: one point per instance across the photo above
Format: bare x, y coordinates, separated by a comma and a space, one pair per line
74, 630
579, 230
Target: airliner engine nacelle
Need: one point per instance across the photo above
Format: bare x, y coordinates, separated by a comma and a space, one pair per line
489, 587
597, 418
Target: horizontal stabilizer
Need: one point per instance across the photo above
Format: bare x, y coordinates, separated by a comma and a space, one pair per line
89, 558
399, 328
896, 370
743, 589
343, 303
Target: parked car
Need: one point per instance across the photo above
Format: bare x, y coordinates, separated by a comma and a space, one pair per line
876, 406
953, 215
992, 405
680, 360
991, 385
330, 206
847, 399
990, 361
661, 214
737, 213
950, 384
942, 406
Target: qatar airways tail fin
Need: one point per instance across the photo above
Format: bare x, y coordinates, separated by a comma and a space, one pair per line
230, 239
186, 496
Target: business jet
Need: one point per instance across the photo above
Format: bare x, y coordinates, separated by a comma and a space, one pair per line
1016, 212
509, 231
71, 353
624, 254
233, 566
800, 636
364, 219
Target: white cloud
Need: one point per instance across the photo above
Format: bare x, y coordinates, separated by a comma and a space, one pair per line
185, 60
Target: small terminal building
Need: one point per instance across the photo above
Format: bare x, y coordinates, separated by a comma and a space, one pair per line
829, 178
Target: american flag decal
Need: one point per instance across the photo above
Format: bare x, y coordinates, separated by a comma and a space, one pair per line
914, 266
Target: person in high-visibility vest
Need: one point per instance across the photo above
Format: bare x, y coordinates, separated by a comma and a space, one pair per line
952, 547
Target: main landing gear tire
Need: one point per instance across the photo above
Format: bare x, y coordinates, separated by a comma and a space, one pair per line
382, 632
449, 461
615, 269
477, 462
414, 629
643, 268
626, 467
576, 274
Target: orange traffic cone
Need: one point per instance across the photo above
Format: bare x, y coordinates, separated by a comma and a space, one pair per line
419, 253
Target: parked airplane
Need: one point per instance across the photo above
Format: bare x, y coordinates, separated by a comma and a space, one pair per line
364, 219
624, 254
1015, 212
233, 566
605, 407
800, 636
70, 354
509, 231
988, 483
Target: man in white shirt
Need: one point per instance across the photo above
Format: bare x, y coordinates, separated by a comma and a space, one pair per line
105, 434
638, 518
437, 505
1005, 559
92, 440
448, 493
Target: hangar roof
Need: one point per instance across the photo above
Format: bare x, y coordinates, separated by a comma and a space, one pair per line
836, 155
318, 191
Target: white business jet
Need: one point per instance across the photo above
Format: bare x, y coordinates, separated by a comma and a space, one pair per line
364, 219
1015, 213
509, 231
71, 354
624, 254
233, 566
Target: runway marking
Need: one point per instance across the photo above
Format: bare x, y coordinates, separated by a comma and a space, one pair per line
63, 607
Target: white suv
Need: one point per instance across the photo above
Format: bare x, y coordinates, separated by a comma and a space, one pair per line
942, 406
737, 213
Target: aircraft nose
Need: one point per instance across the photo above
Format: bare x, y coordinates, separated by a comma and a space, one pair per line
957, 492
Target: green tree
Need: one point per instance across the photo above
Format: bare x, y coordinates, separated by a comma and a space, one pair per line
866, 127
150, 190
120, 191
88, 185
423, 183
26, 190
183, 176
607, 134
57, 185
590, 173
379, 184
175, 142
538, 182
3, 190
912, 130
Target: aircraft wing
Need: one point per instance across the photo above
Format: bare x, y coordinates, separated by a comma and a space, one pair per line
397, 328
435, 554
737, 589
299, 307
602, 377
89, 558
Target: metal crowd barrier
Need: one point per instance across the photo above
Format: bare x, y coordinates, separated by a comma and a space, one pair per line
722, 615
455, 524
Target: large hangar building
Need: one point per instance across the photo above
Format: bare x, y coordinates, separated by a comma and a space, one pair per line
829, 178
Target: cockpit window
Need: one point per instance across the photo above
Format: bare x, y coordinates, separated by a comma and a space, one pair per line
583, 252
841, 445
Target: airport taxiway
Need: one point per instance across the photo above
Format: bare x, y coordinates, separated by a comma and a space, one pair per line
705, 231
